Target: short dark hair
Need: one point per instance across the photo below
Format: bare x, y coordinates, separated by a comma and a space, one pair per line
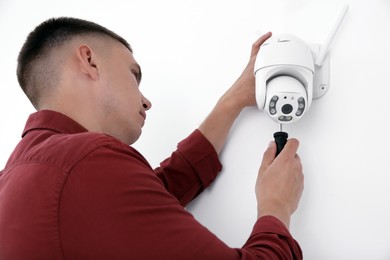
45, 37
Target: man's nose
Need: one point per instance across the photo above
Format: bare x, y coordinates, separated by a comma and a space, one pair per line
146, 103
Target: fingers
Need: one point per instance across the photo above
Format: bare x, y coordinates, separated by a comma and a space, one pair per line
291, 148
259, 42
268, 157
289, 154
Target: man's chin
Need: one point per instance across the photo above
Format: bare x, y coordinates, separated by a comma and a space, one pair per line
134, 137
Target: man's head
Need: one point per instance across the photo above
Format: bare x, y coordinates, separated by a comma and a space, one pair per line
35, 68
85, 71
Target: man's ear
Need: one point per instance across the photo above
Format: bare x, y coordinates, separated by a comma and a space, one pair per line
87, 62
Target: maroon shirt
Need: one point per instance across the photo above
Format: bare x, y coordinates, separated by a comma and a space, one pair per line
67, 193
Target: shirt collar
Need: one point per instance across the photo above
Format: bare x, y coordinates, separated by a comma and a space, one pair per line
51, 120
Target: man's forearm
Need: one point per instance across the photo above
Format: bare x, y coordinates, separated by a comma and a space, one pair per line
218, 123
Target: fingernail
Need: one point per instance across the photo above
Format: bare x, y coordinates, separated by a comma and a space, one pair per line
270, 143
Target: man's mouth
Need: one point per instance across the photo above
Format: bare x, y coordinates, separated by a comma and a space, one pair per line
143, 114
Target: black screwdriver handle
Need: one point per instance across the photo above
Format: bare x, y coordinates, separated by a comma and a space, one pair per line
280, 140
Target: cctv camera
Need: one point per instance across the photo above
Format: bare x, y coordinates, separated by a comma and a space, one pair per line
289, 74
284, 72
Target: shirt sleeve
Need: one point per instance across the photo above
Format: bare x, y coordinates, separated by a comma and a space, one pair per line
275, 240
190, 169
113, 206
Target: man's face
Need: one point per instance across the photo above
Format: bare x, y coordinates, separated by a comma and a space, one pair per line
123, 105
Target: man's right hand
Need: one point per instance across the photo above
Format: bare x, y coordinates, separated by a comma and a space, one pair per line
279, 183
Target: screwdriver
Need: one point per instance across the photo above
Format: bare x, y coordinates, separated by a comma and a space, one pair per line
280, 140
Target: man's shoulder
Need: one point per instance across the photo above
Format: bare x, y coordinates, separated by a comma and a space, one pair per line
71, 148
76, 147
64, 150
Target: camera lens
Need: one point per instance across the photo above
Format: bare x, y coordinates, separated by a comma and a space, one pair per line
287, 109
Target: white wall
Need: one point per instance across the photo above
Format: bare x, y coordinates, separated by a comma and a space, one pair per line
192, 51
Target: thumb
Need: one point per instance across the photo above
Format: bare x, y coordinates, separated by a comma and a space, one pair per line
268, 156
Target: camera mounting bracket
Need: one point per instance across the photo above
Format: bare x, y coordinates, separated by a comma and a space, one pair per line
321, 79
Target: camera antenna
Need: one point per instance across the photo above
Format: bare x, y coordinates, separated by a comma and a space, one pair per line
326, 47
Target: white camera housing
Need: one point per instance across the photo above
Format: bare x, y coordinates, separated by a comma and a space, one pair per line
290, 73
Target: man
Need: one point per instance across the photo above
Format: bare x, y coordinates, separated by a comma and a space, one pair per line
74, 189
